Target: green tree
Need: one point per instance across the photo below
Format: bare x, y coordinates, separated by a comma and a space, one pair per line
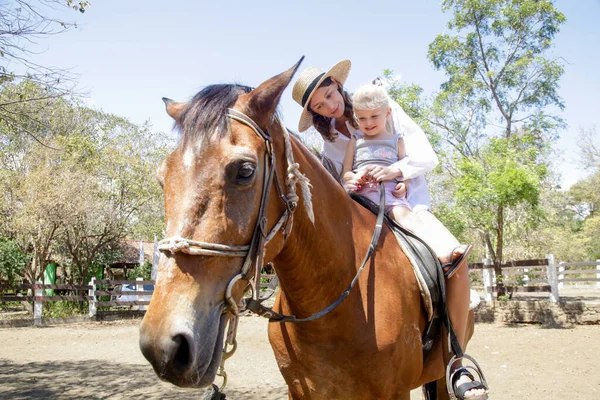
73, 203
12, 261
23, 25
491, 112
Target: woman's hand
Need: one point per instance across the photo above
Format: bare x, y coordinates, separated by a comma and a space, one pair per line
378, 174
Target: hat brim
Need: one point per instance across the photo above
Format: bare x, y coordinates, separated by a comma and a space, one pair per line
339, 72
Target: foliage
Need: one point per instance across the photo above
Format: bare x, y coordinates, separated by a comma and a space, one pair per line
490, 112
63, 309
12, 261
23, 24
78, 197
141, 271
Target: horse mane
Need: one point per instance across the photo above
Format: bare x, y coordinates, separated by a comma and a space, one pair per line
207, 111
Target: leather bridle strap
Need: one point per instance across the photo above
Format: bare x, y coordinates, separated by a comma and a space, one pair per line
258, 308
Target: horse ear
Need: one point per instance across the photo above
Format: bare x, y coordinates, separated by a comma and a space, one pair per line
263, 100
174, 109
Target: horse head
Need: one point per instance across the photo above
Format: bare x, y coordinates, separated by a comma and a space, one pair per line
223, 196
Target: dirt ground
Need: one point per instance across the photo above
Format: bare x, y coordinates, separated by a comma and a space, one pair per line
102, 361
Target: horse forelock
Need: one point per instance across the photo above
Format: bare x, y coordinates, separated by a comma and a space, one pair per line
206, 114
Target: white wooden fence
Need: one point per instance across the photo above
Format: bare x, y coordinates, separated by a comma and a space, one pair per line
519, 276
579, 274
543, 275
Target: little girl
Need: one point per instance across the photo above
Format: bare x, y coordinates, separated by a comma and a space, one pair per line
377, 144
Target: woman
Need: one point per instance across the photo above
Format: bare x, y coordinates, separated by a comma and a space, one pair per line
328, 108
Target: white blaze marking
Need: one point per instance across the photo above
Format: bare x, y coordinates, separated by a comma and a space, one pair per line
188, 158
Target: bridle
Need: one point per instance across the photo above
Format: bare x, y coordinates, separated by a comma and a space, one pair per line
254, 252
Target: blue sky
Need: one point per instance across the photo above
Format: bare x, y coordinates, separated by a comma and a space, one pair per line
129, 54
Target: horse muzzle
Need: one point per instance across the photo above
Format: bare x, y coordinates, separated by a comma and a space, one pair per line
185, 353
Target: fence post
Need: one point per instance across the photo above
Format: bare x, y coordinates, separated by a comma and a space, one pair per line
92, 295
488, 279
598, 272
138, 288
552, 278
561, 275
37, 305
525, 276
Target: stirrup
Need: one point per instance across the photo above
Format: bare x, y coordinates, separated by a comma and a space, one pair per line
450, 377
451, 267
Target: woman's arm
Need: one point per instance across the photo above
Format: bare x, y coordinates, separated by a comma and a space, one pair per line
420, 157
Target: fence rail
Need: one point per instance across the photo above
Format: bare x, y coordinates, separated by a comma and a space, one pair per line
541, 275
94, 293
91, 293
568, 275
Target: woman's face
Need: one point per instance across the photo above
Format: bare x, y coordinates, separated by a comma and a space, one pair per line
328, 102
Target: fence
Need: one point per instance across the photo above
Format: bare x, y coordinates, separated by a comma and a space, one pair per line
580, 275
94, 293
518, 276
118, 295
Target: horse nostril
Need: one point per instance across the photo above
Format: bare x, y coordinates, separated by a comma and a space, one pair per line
181, 360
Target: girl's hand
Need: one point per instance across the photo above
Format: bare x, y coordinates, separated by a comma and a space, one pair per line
378, 174
400, 190
352, 182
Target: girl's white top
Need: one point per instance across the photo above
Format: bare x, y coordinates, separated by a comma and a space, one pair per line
420, 157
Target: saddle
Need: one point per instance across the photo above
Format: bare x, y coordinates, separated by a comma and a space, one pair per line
427, 270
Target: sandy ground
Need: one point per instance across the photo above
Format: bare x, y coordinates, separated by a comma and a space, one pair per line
102, 361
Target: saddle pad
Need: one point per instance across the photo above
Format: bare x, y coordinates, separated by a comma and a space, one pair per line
426, 267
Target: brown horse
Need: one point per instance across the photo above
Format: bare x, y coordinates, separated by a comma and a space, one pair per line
220, 190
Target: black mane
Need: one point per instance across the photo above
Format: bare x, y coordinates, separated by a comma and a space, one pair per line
207, 111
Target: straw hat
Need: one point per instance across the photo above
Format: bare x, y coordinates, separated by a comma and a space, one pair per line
308, 81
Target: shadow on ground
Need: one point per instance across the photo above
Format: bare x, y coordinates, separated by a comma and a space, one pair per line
94, 379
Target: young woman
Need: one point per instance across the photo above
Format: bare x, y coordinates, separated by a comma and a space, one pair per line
328, 108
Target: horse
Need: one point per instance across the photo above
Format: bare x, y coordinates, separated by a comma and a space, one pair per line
228, 210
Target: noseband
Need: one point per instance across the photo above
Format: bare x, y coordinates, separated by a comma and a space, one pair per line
254, 252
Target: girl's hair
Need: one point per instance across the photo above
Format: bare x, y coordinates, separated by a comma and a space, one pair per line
323, 124
370, 97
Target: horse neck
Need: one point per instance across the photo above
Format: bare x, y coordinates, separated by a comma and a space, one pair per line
326, 251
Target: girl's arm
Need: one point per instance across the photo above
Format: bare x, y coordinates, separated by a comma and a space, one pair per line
401, 148
347, 173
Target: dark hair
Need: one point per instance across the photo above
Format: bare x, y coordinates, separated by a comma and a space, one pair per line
323, 124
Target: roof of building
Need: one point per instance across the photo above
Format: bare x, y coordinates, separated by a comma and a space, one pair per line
130, 251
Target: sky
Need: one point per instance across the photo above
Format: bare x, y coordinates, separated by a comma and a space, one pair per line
130, 54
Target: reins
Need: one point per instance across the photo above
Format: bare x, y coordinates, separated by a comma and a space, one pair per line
257, 308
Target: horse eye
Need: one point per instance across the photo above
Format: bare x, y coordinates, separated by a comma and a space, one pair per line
245, 173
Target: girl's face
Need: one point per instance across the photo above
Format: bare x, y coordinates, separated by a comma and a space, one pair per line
372, 122
328, 102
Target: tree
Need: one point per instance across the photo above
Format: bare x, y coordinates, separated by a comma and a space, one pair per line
76, 202
22, 24
491, 111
